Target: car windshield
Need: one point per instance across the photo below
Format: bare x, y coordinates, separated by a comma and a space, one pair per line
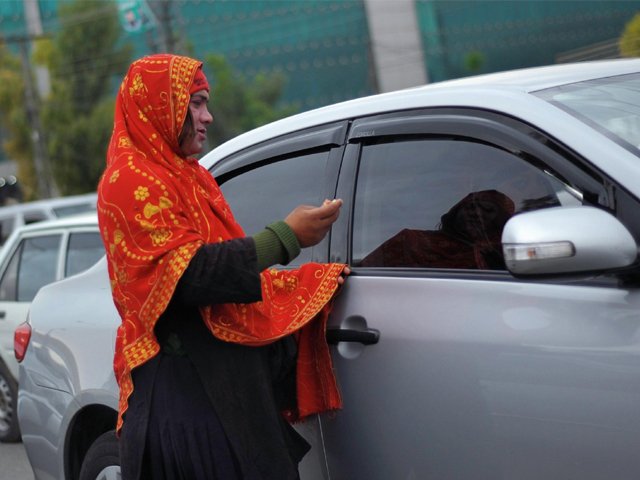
610, 105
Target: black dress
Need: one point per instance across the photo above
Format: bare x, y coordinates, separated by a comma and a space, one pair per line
206, 409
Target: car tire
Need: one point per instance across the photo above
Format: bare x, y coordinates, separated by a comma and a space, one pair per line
9, 429
102, 461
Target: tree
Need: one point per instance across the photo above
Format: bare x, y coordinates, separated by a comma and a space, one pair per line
629, 42
13, 118
78, 116
474, 61
238, 104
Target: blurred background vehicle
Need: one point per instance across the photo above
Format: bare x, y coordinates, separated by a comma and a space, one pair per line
19, 214
33, 256
514, 354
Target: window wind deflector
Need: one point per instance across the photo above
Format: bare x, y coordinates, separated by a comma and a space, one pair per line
433, 124
332, 135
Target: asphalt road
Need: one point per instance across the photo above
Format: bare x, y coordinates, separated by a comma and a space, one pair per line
13, 462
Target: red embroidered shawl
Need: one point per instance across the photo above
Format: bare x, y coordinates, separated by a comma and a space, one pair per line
157, 208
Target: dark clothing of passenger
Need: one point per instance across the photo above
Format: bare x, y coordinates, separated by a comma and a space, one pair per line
469, 238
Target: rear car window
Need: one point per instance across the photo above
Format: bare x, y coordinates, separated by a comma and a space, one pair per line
69, 210
84, 249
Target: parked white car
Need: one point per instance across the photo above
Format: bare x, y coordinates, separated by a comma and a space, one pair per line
491, 326
15, 216
33, 256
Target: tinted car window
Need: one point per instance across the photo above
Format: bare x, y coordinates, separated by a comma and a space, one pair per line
84, 249
443, 203
6, 227
9, 283
34, 216
69, 210
268, 193
38, 264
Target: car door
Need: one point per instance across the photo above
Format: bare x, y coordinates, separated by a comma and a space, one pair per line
449, 367
38, 259
32, 264
262, 184
84, 247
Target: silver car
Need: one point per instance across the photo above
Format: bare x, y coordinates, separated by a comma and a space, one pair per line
491, 326
19, 214
33, 256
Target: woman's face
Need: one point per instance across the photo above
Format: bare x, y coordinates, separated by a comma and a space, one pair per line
193, 142
477, 218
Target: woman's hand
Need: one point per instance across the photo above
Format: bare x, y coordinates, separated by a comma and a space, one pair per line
343, 276
310, 224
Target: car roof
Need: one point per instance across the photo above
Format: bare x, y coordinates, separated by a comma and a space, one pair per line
79, 220
491, 91
539, 78
48, 203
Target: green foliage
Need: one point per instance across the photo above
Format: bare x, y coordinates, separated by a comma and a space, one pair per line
45, 53
629, 42
87, 51
13, 116
80, 148
78, 115
239, 104
474, 61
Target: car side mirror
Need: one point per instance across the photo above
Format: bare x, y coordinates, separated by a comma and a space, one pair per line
566, 240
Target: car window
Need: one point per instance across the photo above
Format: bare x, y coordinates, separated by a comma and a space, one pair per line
9, 283
6, 227
442, 203
68, 210
34, 216
268, 193
38, 265
83, 250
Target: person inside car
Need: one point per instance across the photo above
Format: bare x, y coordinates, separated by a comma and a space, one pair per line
216, 352
469, 237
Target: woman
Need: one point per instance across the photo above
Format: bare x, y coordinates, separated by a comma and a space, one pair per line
206, 359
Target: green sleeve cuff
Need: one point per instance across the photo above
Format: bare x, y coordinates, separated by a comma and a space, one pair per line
287, 237
276, 244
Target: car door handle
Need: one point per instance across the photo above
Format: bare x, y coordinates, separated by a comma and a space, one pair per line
368, 336
3, 314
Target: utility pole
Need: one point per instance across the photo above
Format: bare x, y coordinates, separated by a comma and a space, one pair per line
34, 29
33, 95
162, 11
32, 104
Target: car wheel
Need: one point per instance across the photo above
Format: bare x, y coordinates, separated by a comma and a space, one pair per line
9, 430
102, 461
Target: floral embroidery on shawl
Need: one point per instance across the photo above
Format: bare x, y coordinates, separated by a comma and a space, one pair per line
157, 208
